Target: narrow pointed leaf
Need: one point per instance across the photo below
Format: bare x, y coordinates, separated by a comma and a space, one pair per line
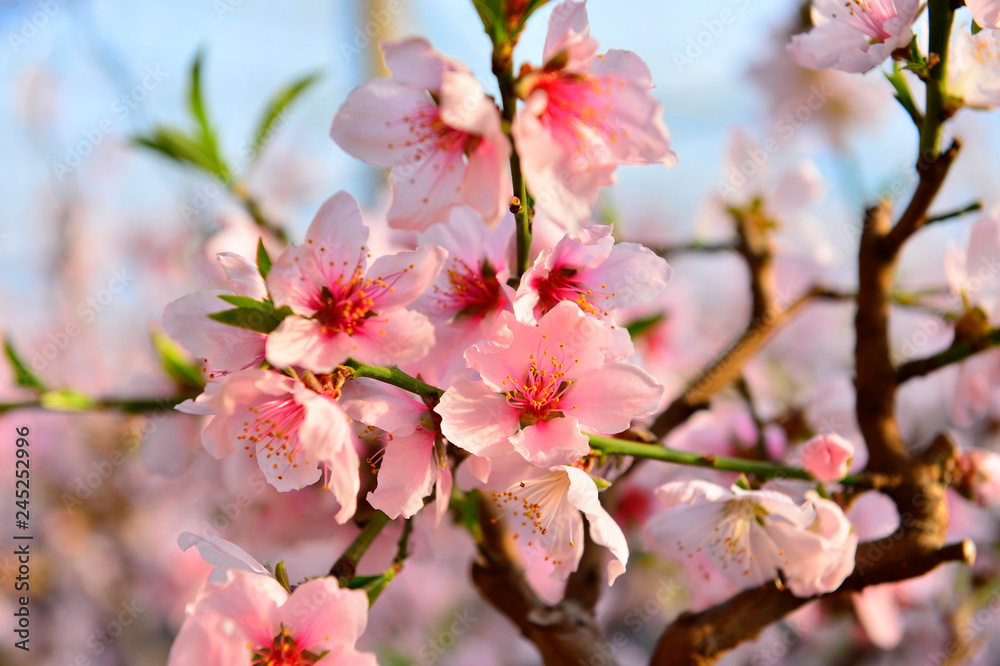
276, 107
22, 375
263, 259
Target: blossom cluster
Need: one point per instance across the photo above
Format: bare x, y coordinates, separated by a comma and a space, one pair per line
495, 379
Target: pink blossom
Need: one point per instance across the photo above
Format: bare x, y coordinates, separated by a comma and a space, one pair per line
981, 476
249, 619
472, 286
875, 516
582, 117
542, 507
289, 429
342, 307
972, 275
752, 535
854, 35
827, 457
589, 269
221, 347
410, 468
469, 293
434, 126
540, 385
222, 554
974, 67
985, 12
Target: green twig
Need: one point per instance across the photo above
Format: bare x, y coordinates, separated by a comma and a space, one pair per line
68, 400
503, 69
971, 208
345, 568
253, 208
763, 470
395, 377
954, 354
904, 96
940, 17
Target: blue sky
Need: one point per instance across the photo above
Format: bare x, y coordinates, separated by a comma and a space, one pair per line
97, 55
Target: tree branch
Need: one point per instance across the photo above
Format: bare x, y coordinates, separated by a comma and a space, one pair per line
565, 633
875, 378
345, 567
728, 367
932, 170
956, 353
700, 638
693, 247
754, 246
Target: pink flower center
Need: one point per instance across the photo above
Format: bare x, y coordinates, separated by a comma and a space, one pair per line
272, 428
869, 16
538, 397
282, 652
343, 313
735, 537
578, 110
472, 292
562, 285
539, 509
429, 133
343, 307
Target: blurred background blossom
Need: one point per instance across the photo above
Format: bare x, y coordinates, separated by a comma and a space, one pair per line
97, 236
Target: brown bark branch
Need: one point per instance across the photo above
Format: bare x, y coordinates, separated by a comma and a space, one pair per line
917, 546
699, 639
754, 246
565, 633
727, 368
875, 378
692, 248
932, 172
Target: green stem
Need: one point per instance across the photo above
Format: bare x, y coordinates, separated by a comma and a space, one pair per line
503, 68
940, 16
904, 96
971, 208
954, 354
253, 208
345, 568
51, 401
395, 377
764, 470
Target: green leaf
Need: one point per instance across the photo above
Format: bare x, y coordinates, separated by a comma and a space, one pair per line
263, 259
206, 134
375, 588
176, 145
600, 482
247, 302
176, 363
529, 9
22, 375
66, 400
276, 106
254, 319
359, 582
644, 325
281, 575
196, 100
491, 13
976, 28
465, 509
